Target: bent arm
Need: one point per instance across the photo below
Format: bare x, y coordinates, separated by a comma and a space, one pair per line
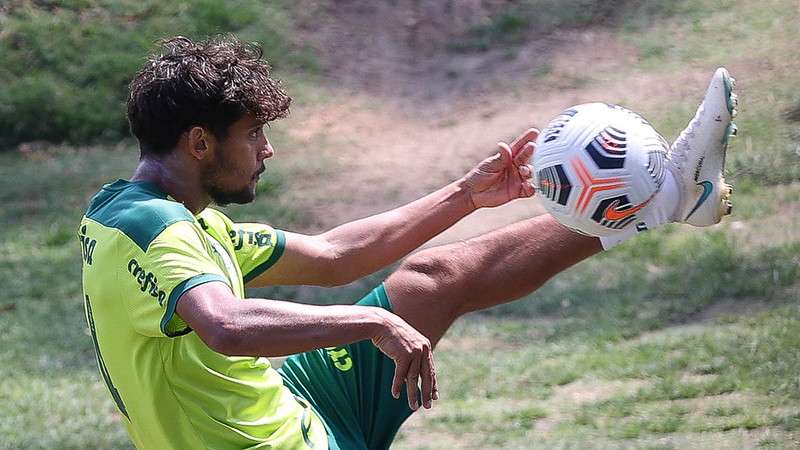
260, 327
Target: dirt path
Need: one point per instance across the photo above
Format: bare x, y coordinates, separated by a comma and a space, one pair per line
392, 125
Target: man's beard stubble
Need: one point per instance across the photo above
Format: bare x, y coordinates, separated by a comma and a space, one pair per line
221, 195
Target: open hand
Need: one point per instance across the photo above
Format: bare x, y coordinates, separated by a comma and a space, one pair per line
413, 358
504, 176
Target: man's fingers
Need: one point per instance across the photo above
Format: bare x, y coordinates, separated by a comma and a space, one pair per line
525, 171
528, 136
435, 387
525, 155
412, 388
499, 161
506, 154
527, 189
400, 370
428, 379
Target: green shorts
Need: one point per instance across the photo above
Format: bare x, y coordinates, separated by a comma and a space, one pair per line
350, 389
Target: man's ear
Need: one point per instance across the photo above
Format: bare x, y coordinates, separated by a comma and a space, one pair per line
200, 142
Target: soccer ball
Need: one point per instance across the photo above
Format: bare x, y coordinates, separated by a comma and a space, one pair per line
597, 166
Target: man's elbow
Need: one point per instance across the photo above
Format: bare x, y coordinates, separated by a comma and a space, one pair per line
220, 341
334, 269
321, 261
223, 338
337, 276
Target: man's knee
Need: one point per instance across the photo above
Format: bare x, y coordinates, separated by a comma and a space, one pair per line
422, 292
432, 268
434, 281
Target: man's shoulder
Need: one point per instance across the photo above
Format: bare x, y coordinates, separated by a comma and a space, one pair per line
137, 210
212, 218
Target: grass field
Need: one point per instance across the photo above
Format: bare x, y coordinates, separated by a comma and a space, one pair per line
683, 338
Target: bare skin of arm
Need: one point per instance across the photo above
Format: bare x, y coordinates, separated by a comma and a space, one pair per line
260, 327
359, 248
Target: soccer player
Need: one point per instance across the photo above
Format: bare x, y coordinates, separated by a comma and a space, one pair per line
183, 352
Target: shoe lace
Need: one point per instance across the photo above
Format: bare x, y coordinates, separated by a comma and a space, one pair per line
679, 151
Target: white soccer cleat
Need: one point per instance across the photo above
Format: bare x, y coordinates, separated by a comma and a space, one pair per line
697, 157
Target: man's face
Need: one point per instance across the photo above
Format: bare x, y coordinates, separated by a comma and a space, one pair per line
232, 175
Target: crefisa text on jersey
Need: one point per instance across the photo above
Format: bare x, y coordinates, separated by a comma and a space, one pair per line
87, 246
146, 280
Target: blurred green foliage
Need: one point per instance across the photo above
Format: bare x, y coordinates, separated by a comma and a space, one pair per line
66, 63
524, 18
678, 276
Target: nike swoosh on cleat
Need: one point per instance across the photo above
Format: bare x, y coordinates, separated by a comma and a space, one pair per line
613, 214
708, 187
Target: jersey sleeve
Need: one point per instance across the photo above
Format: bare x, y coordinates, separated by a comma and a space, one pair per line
176, 260
257, 247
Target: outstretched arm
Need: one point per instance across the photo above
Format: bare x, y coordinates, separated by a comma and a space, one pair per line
358, 248
259, 327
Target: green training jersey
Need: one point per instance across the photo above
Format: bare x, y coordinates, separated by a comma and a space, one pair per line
141, 250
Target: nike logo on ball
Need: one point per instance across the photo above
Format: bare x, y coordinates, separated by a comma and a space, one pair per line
613, 214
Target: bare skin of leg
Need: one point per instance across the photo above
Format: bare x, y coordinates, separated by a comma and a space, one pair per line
434, 287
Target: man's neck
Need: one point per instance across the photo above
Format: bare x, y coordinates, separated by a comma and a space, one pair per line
172, 178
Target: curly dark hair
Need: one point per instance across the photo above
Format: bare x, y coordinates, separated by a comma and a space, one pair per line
211, 83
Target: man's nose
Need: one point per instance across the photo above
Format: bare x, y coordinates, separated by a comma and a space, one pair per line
267, 151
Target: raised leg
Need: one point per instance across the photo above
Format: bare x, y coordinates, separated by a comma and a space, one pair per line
434, 287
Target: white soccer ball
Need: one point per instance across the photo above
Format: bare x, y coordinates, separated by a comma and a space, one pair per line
597, 166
